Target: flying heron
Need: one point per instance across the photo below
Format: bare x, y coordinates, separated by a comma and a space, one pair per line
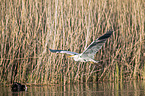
88, 54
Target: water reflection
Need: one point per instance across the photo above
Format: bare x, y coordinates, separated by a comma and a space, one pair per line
133, 88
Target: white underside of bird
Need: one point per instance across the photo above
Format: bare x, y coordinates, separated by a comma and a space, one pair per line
80, 58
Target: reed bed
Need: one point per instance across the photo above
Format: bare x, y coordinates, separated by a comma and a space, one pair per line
30, 27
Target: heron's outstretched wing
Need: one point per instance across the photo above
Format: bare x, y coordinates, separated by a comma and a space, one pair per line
96, 45
63, 51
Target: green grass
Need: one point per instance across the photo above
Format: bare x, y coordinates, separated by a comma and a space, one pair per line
30, 27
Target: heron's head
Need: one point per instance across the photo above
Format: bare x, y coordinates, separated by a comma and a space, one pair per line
75, 57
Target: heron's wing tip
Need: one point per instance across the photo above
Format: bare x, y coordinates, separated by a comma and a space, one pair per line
54, 51
106, 35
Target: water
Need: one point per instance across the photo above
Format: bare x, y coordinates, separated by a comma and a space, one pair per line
132, 88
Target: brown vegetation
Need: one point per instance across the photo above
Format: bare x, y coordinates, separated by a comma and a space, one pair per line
29, 27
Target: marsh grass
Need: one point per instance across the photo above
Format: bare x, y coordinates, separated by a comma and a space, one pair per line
30, 27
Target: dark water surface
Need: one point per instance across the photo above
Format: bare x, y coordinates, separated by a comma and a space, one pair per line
132, 88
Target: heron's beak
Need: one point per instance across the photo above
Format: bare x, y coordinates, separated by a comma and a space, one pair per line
91, 62
71, 55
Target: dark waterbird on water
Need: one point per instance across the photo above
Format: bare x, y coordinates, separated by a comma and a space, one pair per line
16, 87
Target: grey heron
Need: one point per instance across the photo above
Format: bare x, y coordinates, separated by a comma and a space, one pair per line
88, 54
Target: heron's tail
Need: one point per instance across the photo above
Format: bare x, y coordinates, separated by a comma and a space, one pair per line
94, 61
